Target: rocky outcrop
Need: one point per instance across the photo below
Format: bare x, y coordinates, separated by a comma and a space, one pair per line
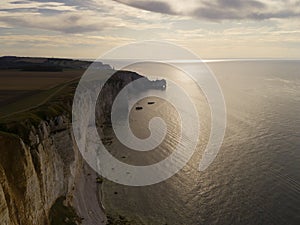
112, 88
34, 175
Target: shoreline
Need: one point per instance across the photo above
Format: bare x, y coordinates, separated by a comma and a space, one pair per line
87, 201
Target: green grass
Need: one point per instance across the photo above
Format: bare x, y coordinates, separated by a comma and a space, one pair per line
32, 81
47, 107
34, 101
25, 103
45, 103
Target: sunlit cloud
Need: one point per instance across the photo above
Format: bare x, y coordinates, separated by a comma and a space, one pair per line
26, 5
222, 9
62, 40
70, 19
213, 28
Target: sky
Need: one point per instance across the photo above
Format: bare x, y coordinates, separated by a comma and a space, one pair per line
210, 28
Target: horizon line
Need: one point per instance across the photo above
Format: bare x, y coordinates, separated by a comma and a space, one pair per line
229, 59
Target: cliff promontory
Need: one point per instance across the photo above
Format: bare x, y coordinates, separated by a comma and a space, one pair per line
43, 179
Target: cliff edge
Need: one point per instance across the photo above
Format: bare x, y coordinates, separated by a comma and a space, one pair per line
43, 178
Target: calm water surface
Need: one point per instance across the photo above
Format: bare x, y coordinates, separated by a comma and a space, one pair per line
255, 178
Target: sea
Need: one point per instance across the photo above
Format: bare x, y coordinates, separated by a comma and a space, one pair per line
255, 177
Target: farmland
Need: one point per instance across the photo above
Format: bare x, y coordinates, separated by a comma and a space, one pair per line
22, 90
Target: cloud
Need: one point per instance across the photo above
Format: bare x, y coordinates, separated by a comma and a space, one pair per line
240, 10
28, 5
222, 9
238, 4
77, 4
65, 23
58, 40
67, 16
153, 6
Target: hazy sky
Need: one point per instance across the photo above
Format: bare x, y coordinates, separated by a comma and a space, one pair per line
211, 28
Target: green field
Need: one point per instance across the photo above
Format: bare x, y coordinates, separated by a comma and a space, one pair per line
23, 91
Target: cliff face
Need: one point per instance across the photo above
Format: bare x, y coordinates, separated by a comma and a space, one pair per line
40, 165
112, 88
34, 175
